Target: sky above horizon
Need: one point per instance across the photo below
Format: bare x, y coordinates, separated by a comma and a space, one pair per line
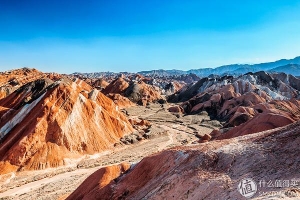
135, 35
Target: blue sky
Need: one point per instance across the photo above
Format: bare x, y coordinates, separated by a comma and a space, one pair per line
135, 35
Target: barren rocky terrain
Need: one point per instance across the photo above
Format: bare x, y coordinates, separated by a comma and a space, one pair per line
134, 137
167, 130
210, 170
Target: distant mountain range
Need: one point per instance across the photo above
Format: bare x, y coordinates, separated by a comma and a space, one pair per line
293, 69
289, 66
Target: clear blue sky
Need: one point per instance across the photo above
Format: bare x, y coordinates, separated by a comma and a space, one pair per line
135, 35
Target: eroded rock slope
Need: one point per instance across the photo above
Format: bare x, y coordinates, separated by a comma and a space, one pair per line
246, 104
45, 122
207, 171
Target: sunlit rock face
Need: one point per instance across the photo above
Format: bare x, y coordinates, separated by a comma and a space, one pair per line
118, 86
246, 104
99, 181
210, 170
45, 122
13, 79
120, 101
143, 93
261, 117
137, 91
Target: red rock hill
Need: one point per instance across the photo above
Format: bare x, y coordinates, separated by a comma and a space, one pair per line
44, 122
208, 171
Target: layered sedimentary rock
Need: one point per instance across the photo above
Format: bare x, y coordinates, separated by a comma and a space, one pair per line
136, 91
118, 86
100, 83
139, 89
98, 181
171, 87
208, 171
19, 76
250, 103
43, 123
121, 101
261, 117
142, 93
11, 80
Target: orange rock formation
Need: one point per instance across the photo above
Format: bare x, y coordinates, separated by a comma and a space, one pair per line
44, 122
120, 100
99, 181
118, 86
210, 170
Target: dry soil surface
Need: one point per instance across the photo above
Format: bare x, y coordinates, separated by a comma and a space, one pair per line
168, 129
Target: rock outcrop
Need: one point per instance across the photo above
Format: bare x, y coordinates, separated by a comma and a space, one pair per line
176, 109
121, 101
118, 86
136, 91
99, 181
44, 123
247, 104
263, 117
12, 80
139, 89
100, 84
210, 170
171, 87
142, 93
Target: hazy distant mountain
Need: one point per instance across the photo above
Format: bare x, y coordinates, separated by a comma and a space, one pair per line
283, 65
289, 66
288, 69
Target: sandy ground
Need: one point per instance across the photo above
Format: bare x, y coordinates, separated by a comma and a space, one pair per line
173, 130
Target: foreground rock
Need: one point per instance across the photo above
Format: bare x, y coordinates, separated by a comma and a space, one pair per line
98, 181
210, 170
